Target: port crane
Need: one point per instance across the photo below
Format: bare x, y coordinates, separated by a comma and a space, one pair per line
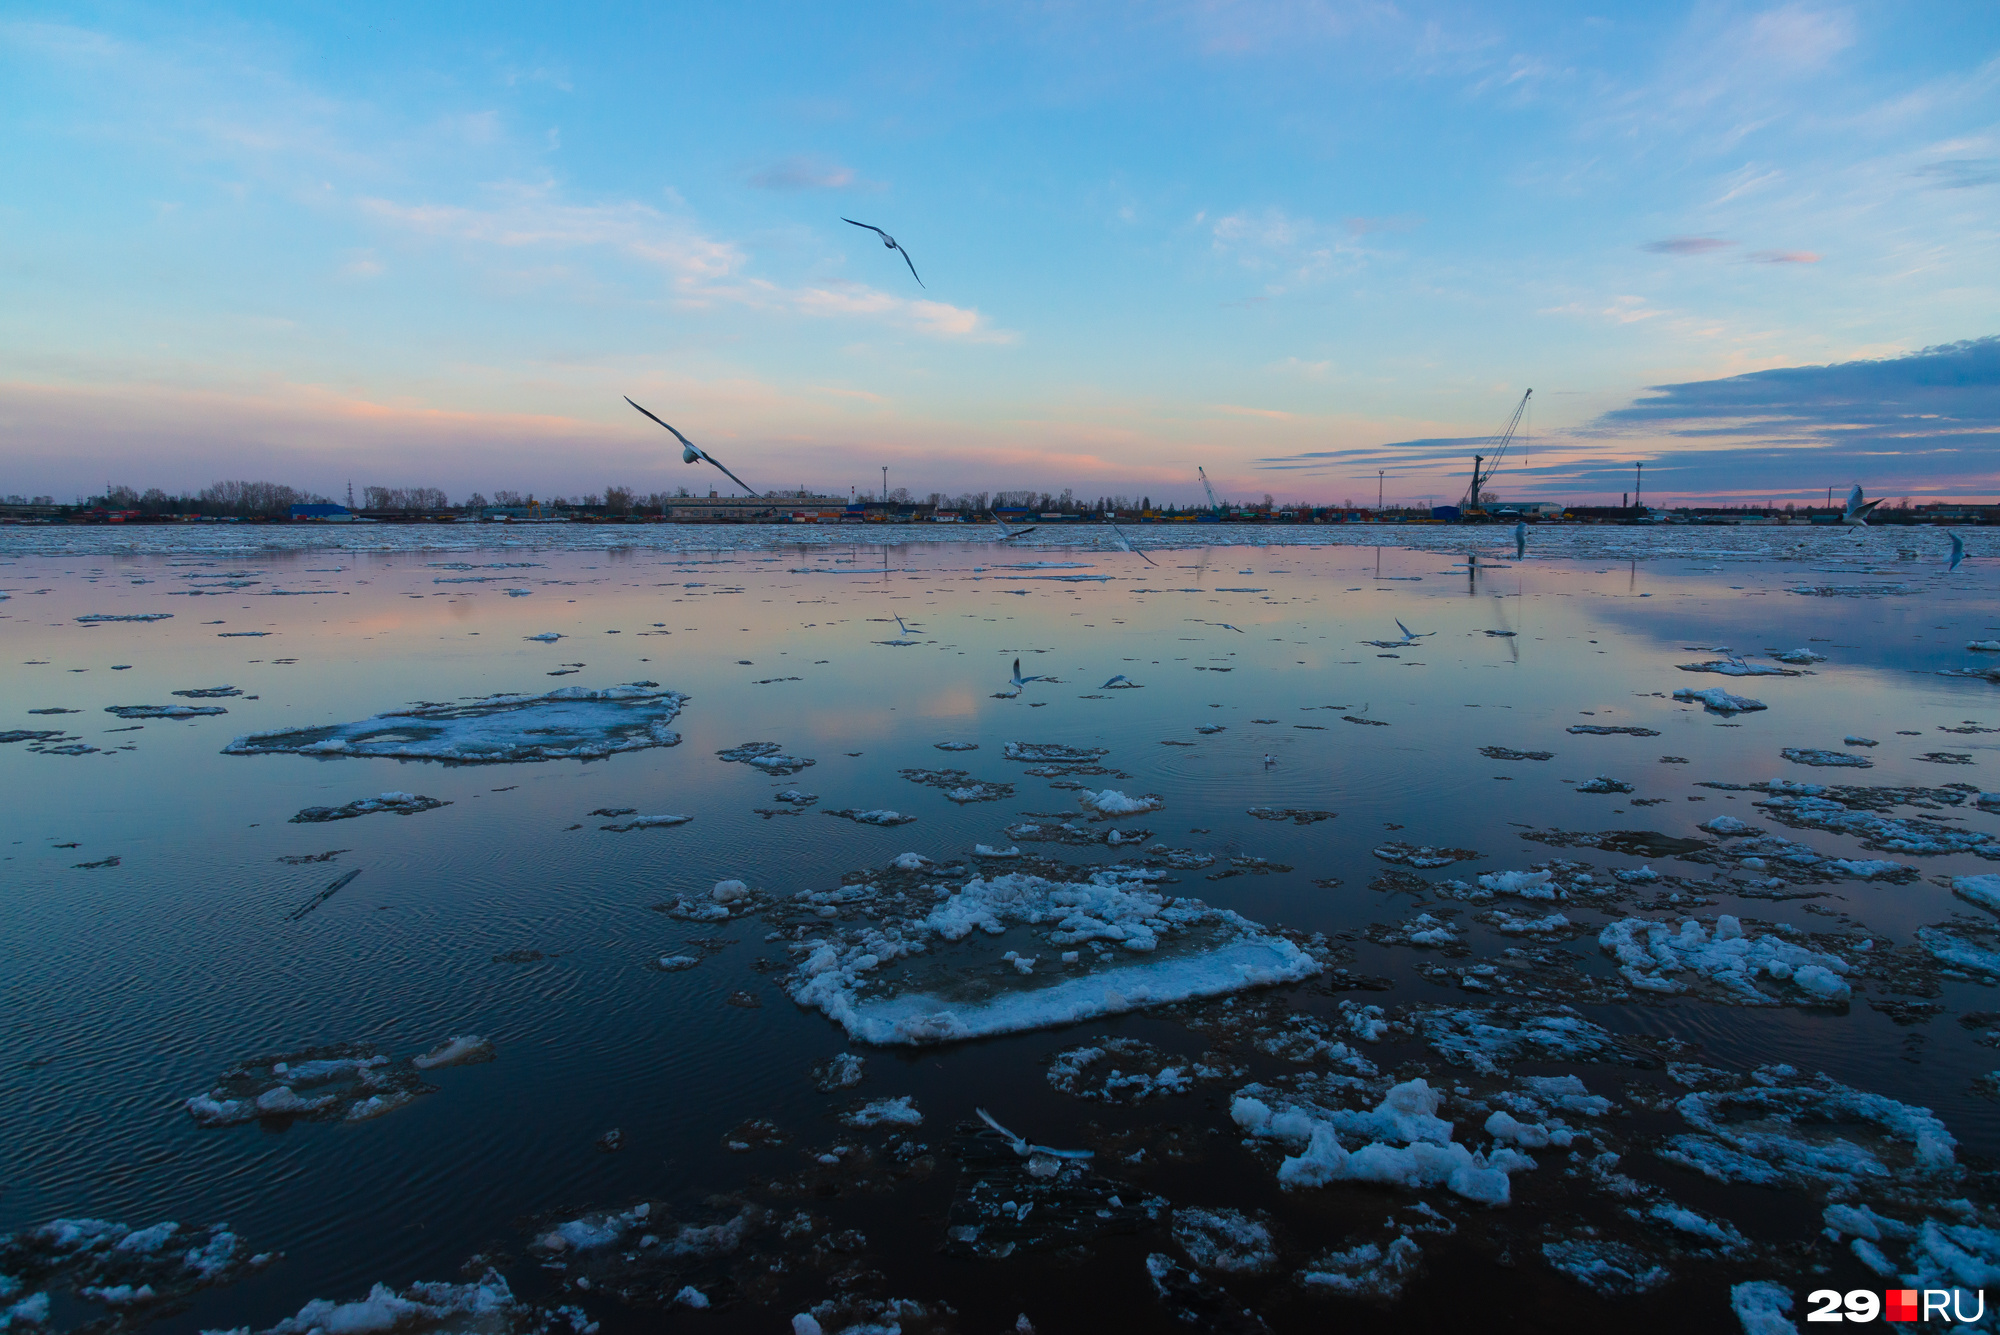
1214, 504
1498, 444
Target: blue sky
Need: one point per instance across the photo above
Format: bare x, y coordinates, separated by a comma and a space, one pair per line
1290, 242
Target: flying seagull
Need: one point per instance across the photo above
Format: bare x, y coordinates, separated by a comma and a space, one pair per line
890, 242
1020, 1145
1226, 626
1115, 680
1118, 536
902, 629
1520, 540
1857, 513
690, 452
1006, 534
1019, 681
1957, 551
1411, 635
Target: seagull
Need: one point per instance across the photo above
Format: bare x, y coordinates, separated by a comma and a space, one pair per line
1520, 540
1118, 536
1019, 681
890, 242
690, 452
1020, 1145
1007, 534
1269, 760
1410, 636
1226, 626
901, 628
1857, 513
1114, 681
1957, 551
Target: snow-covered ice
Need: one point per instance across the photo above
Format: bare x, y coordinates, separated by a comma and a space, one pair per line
1728, 957
574, 723
1145, 948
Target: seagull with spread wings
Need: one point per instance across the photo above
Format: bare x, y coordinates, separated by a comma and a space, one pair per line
1118, 536
690, 452
1857, 512
1009, 534
890, 242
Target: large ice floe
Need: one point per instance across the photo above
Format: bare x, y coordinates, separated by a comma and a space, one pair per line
574, 723
935, 962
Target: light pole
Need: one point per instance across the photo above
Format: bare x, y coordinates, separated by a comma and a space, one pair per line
1378, 491
1639, 488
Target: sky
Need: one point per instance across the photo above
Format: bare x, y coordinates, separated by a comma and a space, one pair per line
1755, 247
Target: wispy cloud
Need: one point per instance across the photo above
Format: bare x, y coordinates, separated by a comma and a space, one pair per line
535, 216
1688, 245
1784, 257
1292, 250
803, 173
1959, 173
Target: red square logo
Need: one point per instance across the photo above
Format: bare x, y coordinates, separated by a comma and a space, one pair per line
1901, 1304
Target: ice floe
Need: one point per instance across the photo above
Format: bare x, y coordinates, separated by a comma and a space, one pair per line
1718, 701
94, 618
885, 1112
135, 1273
767, 756
1128, 1070
1730, 961
573, 723
338, 1082
1131, 948
1805, 755
402, 804
661, 822
1110, 802
164, 711
1401, 1142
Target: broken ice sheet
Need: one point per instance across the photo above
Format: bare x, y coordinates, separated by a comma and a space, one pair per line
351, 1082
927, 969
164, 711
766, 756
1127, 1070
136, 1273
574, 723
403, 804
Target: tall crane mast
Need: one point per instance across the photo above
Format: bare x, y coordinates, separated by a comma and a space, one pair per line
1498, 444
1203, 475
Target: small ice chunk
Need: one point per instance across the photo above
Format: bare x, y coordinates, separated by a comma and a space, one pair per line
728, 892
1718, 701
886, 1112
1762, 1307
462, 1050
690, 1296
1111, 802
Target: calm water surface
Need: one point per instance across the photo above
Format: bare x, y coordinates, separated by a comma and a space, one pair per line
128, 988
